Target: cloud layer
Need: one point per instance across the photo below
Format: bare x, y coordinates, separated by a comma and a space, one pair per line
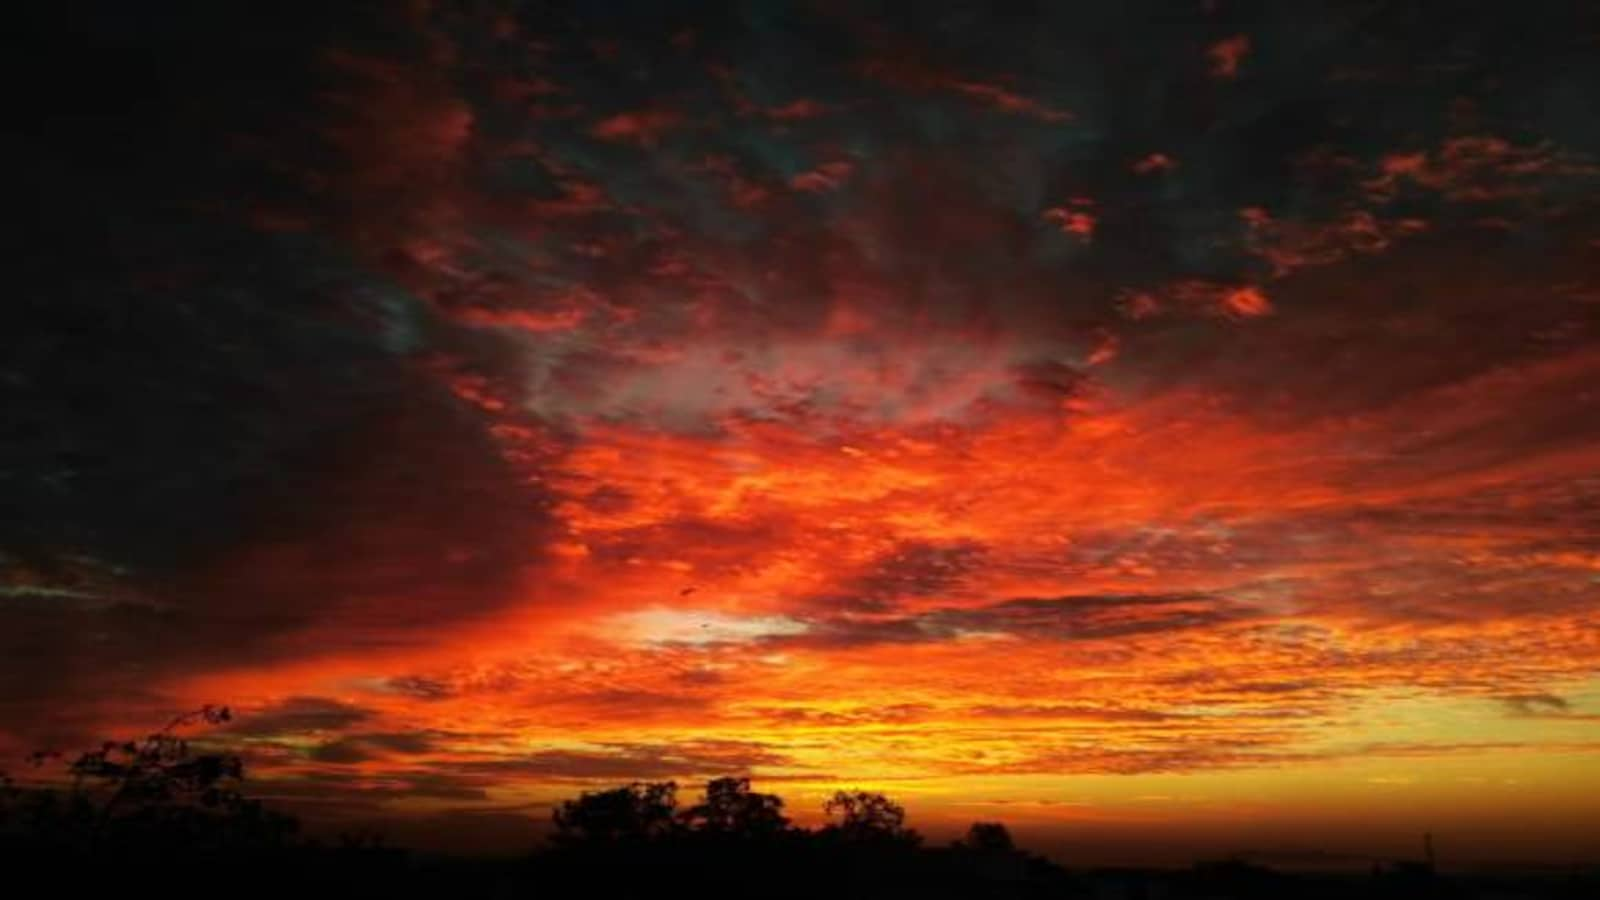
488, 404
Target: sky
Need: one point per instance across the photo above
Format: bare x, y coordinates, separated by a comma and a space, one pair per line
1169, 428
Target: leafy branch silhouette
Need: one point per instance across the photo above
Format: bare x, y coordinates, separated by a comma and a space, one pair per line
148, 790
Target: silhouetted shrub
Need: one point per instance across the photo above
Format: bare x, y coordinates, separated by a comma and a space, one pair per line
989, 837
637, 812
864, 816
731, 809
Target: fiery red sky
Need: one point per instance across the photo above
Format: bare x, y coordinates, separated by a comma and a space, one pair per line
1161, 426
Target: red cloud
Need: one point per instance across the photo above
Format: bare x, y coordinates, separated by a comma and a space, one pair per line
1155, 162
1225, 56
826, 177
644, 127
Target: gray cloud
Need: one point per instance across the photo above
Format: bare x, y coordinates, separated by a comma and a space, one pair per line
1524, 705
1084, 617
623, 762
298, 715
356, 748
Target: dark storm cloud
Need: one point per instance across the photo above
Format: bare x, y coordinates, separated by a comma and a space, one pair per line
1295, 161
232, 427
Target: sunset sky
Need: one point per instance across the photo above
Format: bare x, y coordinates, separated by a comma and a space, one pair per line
1169, 428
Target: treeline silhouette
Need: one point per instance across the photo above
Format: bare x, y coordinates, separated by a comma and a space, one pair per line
636, 840
132, 818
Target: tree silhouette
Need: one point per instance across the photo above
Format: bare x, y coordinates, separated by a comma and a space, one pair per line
637, 812
989, 837
155, 792
868, 816
160, 769
155, 812
730, 808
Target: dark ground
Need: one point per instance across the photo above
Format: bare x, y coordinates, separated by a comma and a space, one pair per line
54, 845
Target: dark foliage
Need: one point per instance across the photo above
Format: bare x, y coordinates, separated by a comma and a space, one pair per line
635, 813
144, 799
989, 837
862, 816
736, 842
732, 810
